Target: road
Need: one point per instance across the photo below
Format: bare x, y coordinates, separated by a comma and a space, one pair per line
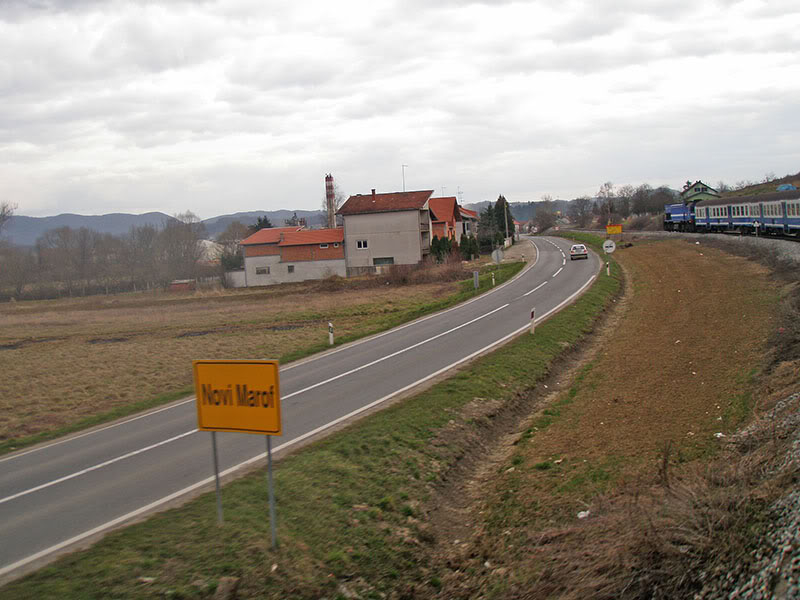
69, 492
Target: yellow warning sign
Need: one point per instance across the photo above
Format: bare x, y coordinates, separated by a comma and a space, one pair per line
612, 229
238, 395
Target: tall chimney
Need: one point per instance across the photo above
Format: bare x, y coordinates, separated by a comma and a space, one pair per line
330, 200
373, 194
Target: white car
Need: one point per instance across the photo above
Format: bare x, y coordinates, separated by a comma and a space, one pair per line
578, 251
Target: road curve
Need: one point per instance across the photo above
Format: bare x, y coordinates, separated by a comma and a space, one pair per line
65, 493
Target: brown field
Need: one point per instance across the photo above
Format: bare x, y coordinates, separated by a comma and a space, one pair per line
68, 359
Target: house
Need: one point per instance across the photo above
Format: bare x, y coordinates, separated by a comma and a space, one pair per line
287, 254
469, 221
445, 218
386, 229
694, 192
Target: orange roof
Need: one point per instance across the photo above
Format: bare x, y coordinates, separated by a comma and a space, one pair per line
444, 209
312, 236
372, 203
270, 235
467, 212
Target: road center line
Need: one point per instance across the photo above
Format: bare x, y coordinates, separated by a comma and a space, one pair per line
534, 289
557, 272
95, 467
392, 355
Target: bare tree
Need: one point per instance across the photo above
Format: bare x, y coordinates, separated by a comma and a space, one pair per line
6, 212
624, 200
180, 247
18, 267
580, 211
545, 216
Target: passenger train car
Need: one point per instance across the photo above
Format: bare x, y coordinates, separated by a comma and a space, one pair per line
773, 213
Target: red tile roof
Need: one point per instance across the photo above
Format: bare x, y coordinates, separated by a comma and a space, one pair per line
271, 235
468, 213
444, 209
312, 236
369, 203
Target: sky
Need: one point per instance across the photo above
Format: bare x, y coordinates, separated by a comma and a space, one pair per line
240, 105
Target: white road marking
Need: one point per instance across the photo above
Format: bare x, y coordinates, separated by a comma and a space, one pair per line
563, 260
77, 437
177, 437
286, 367
155, 504
95, 467
393, 354
557, 272
534, 289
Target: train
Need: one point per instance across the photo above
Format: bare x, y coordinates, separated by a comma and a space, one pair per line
776, 213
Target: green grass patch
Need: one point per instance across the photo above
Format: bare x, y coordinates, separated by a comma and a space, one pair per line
345, 505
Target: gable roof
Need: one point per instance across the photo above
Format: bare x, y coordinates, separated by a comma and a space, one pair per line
470, 214
394, 201
689, 190
312, 236
270, 235
444, 209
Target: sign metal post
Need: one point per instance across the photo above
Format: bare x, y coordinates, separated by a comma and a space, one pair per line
240, 396
270, 490
220, 520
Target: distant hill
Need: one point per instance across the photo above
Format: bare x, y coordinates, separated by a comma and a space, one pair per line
216, 225
24, 231
522, 211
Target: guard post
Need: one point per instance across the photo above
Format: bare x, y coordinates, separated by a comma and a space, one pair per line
330, 333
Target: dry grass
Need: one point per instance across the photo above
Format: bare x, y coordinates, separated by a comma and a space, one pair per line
68, 359
633, 443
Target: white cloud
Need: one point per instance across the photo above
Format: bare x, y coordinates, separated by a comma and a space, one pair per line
244, 104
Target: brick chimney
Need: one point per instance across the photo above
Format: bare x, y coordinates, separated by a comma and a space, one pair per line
373, 194
330, 200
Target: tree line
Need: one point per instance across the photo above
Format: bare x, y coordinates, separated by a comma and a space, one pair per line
69, 262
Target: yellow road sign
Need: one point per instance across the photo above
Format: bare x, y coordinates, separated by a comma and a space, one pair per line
238, 395
612, 229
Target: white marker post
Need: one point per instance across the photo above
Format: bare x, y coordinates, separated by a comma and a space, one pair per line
492, 279
533, 320
330, 333
608, 269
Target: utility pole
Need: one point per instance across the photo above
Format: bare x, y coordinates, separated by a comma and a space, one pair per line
443, 189
505, 206
403, 167
459, 194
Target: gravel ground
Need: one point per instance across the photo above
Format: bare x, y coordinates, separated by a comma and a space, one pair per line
775, 569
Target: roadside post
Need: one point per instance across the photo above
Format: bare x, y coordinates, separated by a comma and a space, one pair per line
475, 279
533, 320
239, 396
330, 333
492, 278
608, 247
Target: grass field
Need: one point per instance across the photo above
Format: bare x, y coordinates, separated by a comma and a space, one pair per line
74, 363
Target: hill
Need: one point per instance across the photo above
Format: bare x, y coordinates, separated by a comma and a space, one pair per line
766, 187
24, 231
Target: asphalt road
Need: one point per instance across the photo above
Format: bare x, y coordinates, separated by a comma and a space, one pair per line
68, 492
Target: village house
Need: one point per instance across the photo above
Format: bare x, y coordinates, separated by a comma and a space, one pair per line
445, 218
469, 222
291, 254
386, 229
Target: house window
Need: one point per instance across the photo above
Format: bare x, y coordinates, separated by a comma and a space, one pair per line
262, 270
389, 260
361, 244
323, 245
291, 268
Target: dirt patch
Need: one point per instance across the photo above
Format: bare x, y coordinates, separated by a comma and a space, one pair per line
656, 389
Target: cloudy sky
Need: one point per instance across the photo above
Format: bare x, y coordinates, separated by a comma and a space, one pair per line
236, 105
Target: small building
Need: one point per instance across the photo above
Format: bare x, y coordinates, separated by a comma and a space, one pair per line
469, 221
291, 254
386, 229
694, 192
445, 218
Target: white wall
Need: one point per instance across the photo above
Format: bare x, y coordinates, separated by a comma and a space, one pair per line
389, 234
279, 271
